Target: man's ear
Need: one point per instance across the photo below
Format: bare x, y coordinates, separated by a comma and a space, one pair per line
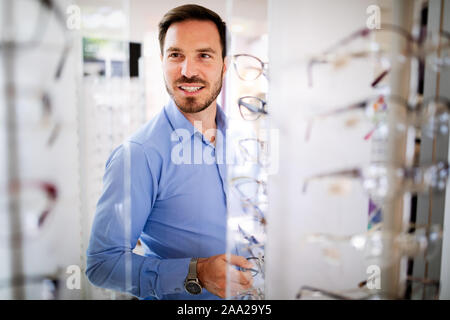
226, 61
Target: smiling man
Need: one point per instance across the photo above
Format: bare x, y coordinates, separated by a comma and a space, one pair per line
177, 210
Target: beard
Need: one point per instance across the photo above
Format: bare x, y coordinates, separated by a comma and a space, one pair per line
195, 104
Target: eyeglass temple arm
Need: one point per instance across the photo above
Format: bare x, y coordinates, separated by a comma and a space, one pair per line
441, 99
311, 63
51, 6
50, 191
21, 280
315, 61
350, 173
251, 269
39, 32
52, 195
365, 31
359, 33
426, 282
355, 106
252, 107
260, 212
343, 42
324, 292
363, 104
258, 141
380, 77
249, 238
265, 69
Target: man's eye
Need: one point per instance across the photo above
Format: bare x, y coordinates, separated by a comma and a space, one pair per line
174, 55
205, 55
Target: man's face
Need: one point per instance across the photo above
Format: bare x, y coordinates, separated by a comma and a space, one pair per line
192, 64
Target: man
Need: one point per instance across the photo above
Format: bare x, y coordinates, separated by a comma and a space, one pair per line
177, 208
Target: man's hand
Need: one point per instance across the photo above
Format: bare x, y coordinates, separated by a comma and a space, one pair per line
212, 273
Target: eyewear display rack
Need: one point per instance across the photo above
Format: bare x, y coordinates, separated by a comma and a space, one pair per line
247, 159
112, 106
347, 217
57, 129
39, 147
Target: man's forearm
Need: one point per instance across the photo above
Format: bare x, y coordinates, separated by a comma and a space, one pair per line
137, 275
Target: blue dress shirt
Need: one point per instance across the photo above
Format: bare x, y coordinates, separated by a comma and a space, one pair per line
177, 210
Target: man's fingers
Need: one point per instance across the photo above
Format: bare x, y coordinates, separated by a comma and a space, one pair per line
239, 261
246, 278
237, 289
242, 278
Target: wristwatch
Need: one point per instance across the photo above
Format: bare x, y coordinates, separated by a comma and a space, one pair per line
192, 284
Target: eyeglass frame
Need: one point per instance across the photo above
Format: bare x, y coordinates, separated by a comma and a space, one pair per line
398, 238
254, 272
254, 243
259, 111
261, 145
361, 285
249, 202
46, 105
52, 7
365, 32
242, 196
412, 110
357, 173
262, 70
259, 295
49, 189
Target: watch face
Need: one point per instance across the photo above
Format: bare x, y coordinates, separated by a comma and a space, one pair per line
193, 287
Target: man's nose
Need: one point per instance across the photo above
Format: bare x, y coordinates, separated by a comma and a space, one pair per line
189, 68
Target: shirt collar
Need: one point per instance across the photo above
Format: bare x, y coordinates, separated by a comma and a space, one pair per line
176, 119
179, 121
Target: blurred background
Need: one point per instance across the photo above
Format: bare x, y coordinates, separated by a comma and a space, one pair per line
79, 76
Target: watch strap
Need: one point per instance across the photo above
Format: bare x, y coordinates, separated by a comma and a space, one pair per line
192, 273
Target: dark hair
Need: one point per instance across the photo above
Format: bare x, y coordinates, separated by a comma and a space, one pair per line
192, 12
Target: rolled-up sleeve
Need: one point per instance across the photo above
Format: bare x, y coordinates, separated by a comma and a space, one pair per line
130, 186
